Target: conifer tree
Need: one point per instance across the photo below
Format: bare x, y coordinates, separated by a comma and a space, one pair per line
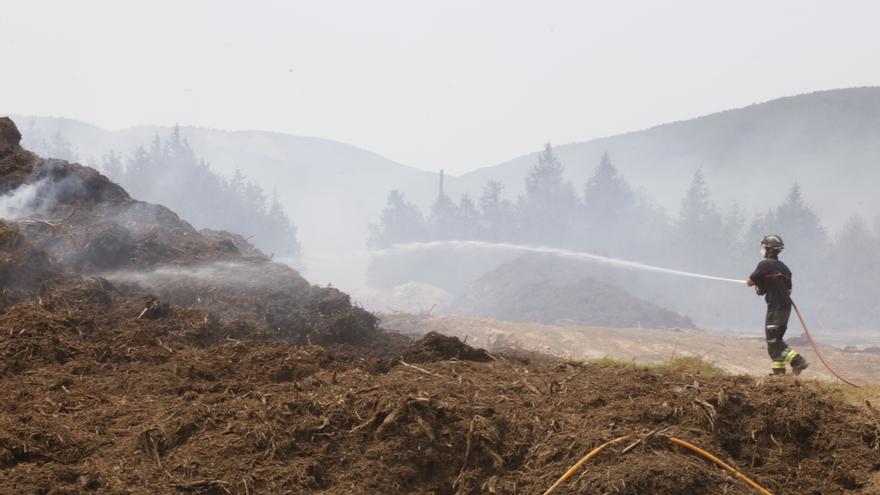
607, 195
699, 232
169, 172
609, 202
401, 222
112, 165
496, 213
796, 221
549, 206
468, 218
443, 221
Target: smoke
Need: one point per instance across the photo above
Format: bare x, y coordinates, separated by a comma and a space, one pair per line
22, 201
41, 192
578, 255
218, 274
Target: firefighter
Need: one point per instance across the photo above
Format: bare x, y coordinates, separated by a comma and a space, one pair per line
772, 279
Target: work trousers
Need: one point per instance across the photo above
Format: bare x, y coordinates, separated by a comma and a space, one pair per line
775, 326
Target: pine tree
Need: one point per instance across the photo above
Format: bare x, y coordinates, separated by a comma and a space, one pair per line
607, 222
112, 166
548, 207
468, 218
60, 147
401, 222
855, 286
606, 193
54, 146
699, 232
443, 221
496, 213
796, 221
282, 234
139, 173
546, 177
170, 173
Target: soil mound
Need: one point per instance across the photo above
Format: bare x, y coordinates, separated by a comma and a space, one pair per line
267, 294
166, 406
175, 373
9, 136
546, 289
25, 270
91, 227
436, 347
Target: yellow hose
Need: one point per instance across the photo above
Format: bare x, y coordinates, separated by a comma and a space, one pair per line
720, 463
593, 453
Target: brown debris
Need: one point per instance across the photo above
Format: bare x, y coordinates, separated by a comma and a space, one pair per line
195, 365
436, 347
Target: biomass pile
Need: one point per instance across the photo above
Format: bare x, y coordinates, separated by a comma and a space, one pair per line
178, 403
547, 289
71, 220
138, 355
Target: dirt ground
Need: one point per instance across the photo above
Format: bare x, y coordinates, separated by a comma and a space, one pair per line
140, 356
736, 355
98, 401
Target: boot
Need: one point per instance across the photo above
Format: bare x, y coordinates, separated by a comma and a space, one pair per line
778, 367
798, 365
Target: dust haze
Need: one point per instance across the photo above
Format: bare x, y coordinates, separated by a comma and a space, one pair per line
438, 247
692, 196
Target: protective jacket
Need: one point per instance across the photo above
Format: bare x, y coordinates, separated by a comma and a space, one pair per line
773, 279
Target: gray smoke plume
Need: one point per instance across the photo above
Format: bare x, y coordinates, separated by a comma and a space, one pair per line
22, 201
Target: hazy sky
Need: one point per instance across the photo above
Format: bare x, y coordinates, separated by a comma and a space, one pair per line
440, 84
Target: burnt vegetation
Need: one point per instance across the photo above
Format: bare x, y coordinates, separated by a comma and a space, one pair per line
140, 355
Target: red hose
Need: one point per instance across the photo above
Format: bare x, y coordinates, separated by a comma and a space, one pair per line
816, 349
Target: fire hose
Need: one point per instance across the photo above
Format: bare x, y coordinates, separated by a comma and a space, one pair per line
682, 443
816, 348
584, 459
585, 256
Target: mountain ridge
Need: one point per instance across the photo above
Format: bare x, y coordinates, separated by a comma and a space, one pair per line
331, 190
750, 156
794, 134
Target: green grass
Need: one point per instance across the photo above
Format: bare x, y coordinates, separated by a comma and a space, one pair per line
691, 365
847, 393
684, 364
694, 365
610, 362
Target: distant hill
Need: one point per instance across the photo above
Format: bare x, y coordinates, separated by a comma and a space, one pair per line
331, 190
828, 141
546, 289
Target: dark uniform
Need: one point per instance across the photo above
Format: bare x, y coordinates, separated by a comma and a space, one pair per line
773, 279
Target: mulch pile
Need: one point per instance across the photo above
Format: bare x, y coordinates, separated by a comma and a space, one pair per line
546, 289
81, 224
434, 347
141, 356
96, 400
25, 269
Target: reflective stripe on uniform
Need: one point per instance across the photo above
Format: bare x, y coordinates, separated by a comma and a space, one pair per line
790, 356
777, 365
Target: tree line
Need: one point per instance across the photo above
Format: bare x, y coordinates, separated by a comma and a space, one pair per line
168, 172
838, 274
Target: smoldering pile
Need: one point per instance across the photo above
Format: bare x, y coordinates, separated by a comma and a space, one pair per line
174, 373
73, 220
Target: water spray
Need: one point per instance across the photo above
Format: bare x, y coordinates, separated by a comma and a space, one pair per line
585, 256
563, 253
